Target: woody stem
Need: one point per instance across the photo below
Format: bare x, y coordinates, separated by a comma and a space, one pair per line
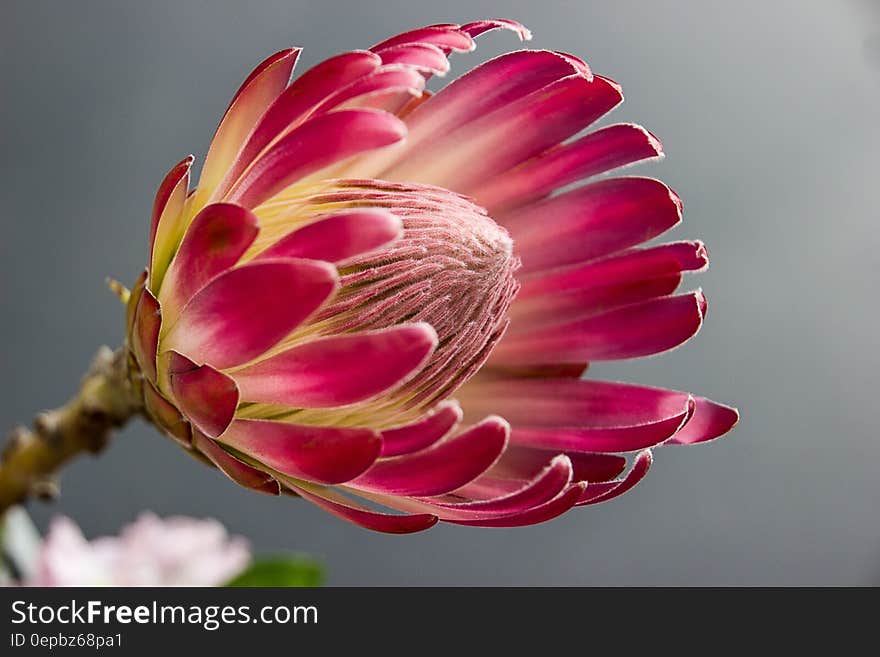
31, 458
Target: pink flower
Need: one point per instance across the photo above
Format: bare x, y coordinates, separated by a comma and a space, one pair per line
176, 551
379, 293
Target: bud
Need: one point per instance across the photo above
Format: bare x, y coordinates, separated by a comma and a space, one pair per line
333, 310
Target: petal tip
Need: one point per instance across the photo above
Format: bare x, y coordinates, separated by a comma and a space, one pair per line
701, 253
615, 87
426, 333
676, 201
702, 303
653, 141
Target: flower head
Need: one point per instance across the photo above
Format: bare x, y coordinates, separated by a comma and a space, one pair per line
152, 551
375, 292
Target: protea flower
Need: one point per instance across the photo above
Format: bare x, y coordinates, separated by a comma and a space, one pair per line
376, 295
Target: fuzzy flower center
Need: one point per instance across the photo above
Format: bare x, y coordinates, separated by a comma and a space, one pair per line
453, 267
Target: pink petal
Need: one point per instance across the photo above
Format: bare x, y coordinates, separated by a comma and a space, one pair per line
595, 220
519, 464
246, 310
599, 285
547, 511
294, 105
611, 439
260, 89
166, 416
316, 144
387, 79
335, 503
423, 433
444, 36
442, 468
596, 493
134, 298
167, 225
545, 486
489, 87
633, 331
239, 471
572, 402
582, 416
338, 237
551, 482
339, 370
145, 334
215, 240
477, 28
463, 158
326, 455
710, 421
420, 56
597, 152
206, 396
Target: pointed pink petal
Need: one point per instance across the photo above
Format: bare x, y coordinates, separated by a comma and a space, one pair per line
547, 511
442, 468
246, 310
164, 194
423, 433
338, 237
335, 503
207, 397
572, 402
383, 81
316, 144
239, 471
296, 103
134, 298
596, 493
595, 220
325, 455
166, 416
598, 152
519, 464
444, 36
463, 158
610, 439
167, 225
545, 486
489, 87
145, 335
582, 416
498, 500
339, 370
421, 56
215, 240
641, 329
477, 28
711, 420
260, 89
599, 285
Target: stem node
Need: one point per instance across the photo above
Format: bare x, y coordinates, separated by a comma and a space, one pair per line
86, 423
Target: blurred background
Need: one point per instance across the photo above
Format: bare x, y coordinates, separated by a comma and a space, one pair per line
767, 111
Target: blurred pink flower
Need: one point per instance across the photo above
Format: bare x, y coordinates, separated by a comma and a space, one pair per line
175, 551
379, 293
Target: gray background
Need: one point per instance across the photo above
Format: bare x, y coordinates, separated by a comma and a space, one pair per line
767, 111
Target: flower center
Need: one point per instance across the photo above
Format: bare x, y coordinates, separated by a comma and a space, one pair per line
453, 267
